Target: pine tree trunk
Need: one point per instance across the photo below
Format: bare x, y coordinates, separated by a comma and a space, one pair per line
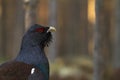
98, 59
8, 24
102, 43
1, 48
30, 12
117, 37
116, 55
53, 22
19, 27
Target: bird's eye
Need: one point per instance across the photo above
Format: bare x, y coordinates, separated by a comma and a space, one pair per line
40, 30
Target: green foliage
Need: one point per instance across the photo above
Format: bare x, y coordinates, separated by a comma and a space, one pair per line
2, 59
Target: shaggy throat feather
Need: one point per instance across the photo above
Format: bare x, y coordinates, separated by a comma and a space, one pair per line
46, 40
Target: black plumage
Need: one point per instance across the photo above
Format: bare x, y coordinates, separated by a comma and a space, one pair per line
31, 62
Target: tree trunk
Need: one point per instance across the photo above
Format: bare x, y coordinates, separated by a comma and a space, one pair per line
1, 48
102, 43
53, 22
73, 28
8, 23
116, 58
19, 27
98, 59
117, 37
30, 12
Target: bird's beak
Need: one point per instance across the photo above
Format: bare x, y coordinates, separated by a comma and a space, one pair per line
51, 29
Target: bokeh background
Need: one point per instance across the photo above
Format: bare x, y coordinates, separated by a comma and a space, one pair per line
71, 54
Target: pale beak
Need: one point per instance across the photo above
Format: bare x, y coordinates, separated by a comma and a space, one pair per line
51, 29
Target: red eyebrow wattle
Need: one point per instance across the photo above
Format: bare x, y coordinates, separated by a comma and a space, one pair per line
40, 30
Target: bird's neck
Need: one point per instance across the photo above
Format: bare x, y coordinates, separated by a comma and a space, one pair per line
32, 55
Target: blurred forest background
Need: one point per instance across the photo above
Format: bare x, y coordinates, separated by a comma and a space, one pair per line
86, 44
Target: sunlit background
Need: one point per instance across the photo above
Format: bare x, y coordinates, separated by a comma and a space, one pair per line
71, 52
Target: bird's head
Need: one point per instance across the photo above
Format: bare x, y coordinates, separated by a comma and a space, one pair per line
39, 35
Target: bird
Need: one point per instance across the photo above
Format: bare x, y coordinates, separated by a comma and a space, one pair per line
31, 63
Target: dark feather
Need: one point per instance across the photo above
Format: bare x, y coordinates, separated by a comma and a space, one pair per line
17, 71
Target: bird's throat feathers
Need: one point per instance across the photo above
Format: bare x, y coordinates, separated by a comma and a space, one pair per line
38, 40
